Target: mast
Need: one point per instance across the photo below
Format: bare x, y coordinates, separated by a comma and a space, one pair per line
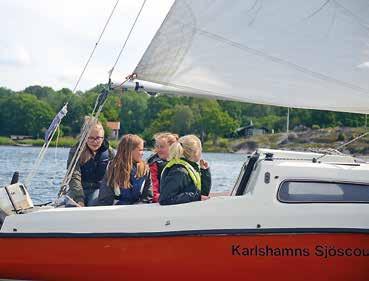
288, 120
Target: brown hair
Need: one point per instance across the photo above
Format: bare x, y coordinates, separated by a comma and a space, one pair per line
95, 124
120, 168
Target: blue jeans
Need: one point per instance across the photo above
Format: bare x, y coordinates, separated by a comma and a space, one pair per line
91, 196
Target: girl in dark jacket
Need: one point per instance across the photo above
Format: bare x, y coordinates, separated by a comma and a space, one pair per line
90, 169
158, 160
127, 179
186, 177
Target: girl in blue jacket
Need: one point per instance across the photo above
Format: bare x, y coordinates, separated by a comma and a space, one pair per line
128, 178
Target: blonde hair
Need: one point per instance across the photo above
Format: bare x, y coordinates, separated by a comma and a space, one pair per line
95, 124
168, 137
119, 170
186, 146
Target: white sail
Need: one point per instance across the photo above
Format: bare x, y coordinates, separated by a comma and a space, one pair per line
304, 54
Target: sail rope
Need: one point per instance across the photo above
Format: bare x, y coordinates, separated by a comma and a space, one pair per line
49, 134
94, 48
86, 129
55, 123
126, 40
345, 144
37, 164
100, 101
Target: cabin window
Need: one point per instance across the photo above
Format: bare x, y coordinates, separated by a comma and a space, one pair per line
322, 192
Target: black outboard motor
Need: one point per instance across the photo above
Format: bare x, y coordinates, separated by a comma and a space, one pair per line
15, 177
3, 214
14, 198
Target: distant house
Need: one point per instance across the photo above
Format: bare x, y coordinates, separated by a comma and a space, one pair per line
19, 137
115, 127
250, 130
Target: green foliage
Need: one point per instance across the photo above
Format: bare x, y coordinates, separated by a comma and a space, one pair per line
177, 120
278, 123
212, 120
132, 113
24, 114
315, 127
341, 136
4, 92
38, 91
155, 105
29, 113
6, 141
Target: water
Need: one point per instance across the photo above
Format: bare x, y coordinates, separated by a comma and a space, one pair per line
45, 185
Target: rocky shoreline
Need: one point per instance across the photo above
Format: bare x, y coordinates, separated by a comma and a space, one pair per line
319, 140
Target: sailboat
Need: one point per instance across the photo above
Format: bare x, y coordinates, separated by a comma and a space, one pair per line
290, 216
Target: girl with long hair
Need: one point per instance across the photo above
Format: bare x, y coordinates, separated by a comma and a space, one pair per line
127, 179
186, 177
90, 169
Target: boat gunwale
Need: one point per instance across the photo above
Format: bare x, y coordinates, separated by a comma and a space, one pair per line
206, 232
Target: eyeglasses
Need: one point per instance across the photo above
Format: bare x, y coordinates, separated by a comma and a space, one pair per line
91, 139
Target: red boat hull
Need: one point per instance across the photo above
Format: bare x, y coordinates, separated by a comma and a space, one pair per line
190, 257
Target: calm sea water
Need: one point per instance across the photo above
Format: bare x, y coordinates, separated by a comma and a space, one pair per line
45, 185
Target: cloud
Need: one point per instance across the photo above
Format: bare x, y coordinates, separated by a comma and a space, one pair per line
14, 56
364, 65
48, 42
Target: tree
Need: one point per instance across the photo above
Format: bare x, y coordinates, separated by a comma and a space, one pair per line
157, 104
39, 92
132, 113
323, 118
177, 120
24, 114
212, 121
278, 123
4, 92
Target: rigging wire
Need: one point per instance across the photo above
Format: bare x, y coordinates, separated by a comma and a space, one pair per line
39, 159
52, 133
96, 44
345, 144
87, 126
318, 10
100, 101
126, 40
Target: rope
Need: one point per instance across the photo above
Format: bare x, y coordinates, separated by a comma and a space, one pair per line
39, 159
351, 141
346, 144
47, 143
93, 50
56, 144
87, 126
97, 107
125, 42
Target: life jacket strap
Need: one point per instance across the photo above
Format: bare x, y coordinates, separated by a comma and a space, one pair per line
194, 175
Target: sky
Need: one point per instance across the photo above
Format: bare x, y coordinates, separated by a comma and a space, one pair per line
47, 43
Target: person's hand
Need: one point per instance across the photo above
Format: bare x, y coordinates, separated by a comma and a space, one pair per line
203, 197
204, 164
81, 204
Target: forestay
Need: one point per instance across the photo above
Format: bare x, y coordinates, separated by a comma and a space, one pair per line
304, 54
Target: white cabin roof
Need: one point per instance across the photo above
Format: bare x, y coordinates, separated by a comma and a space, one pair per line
298, 155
